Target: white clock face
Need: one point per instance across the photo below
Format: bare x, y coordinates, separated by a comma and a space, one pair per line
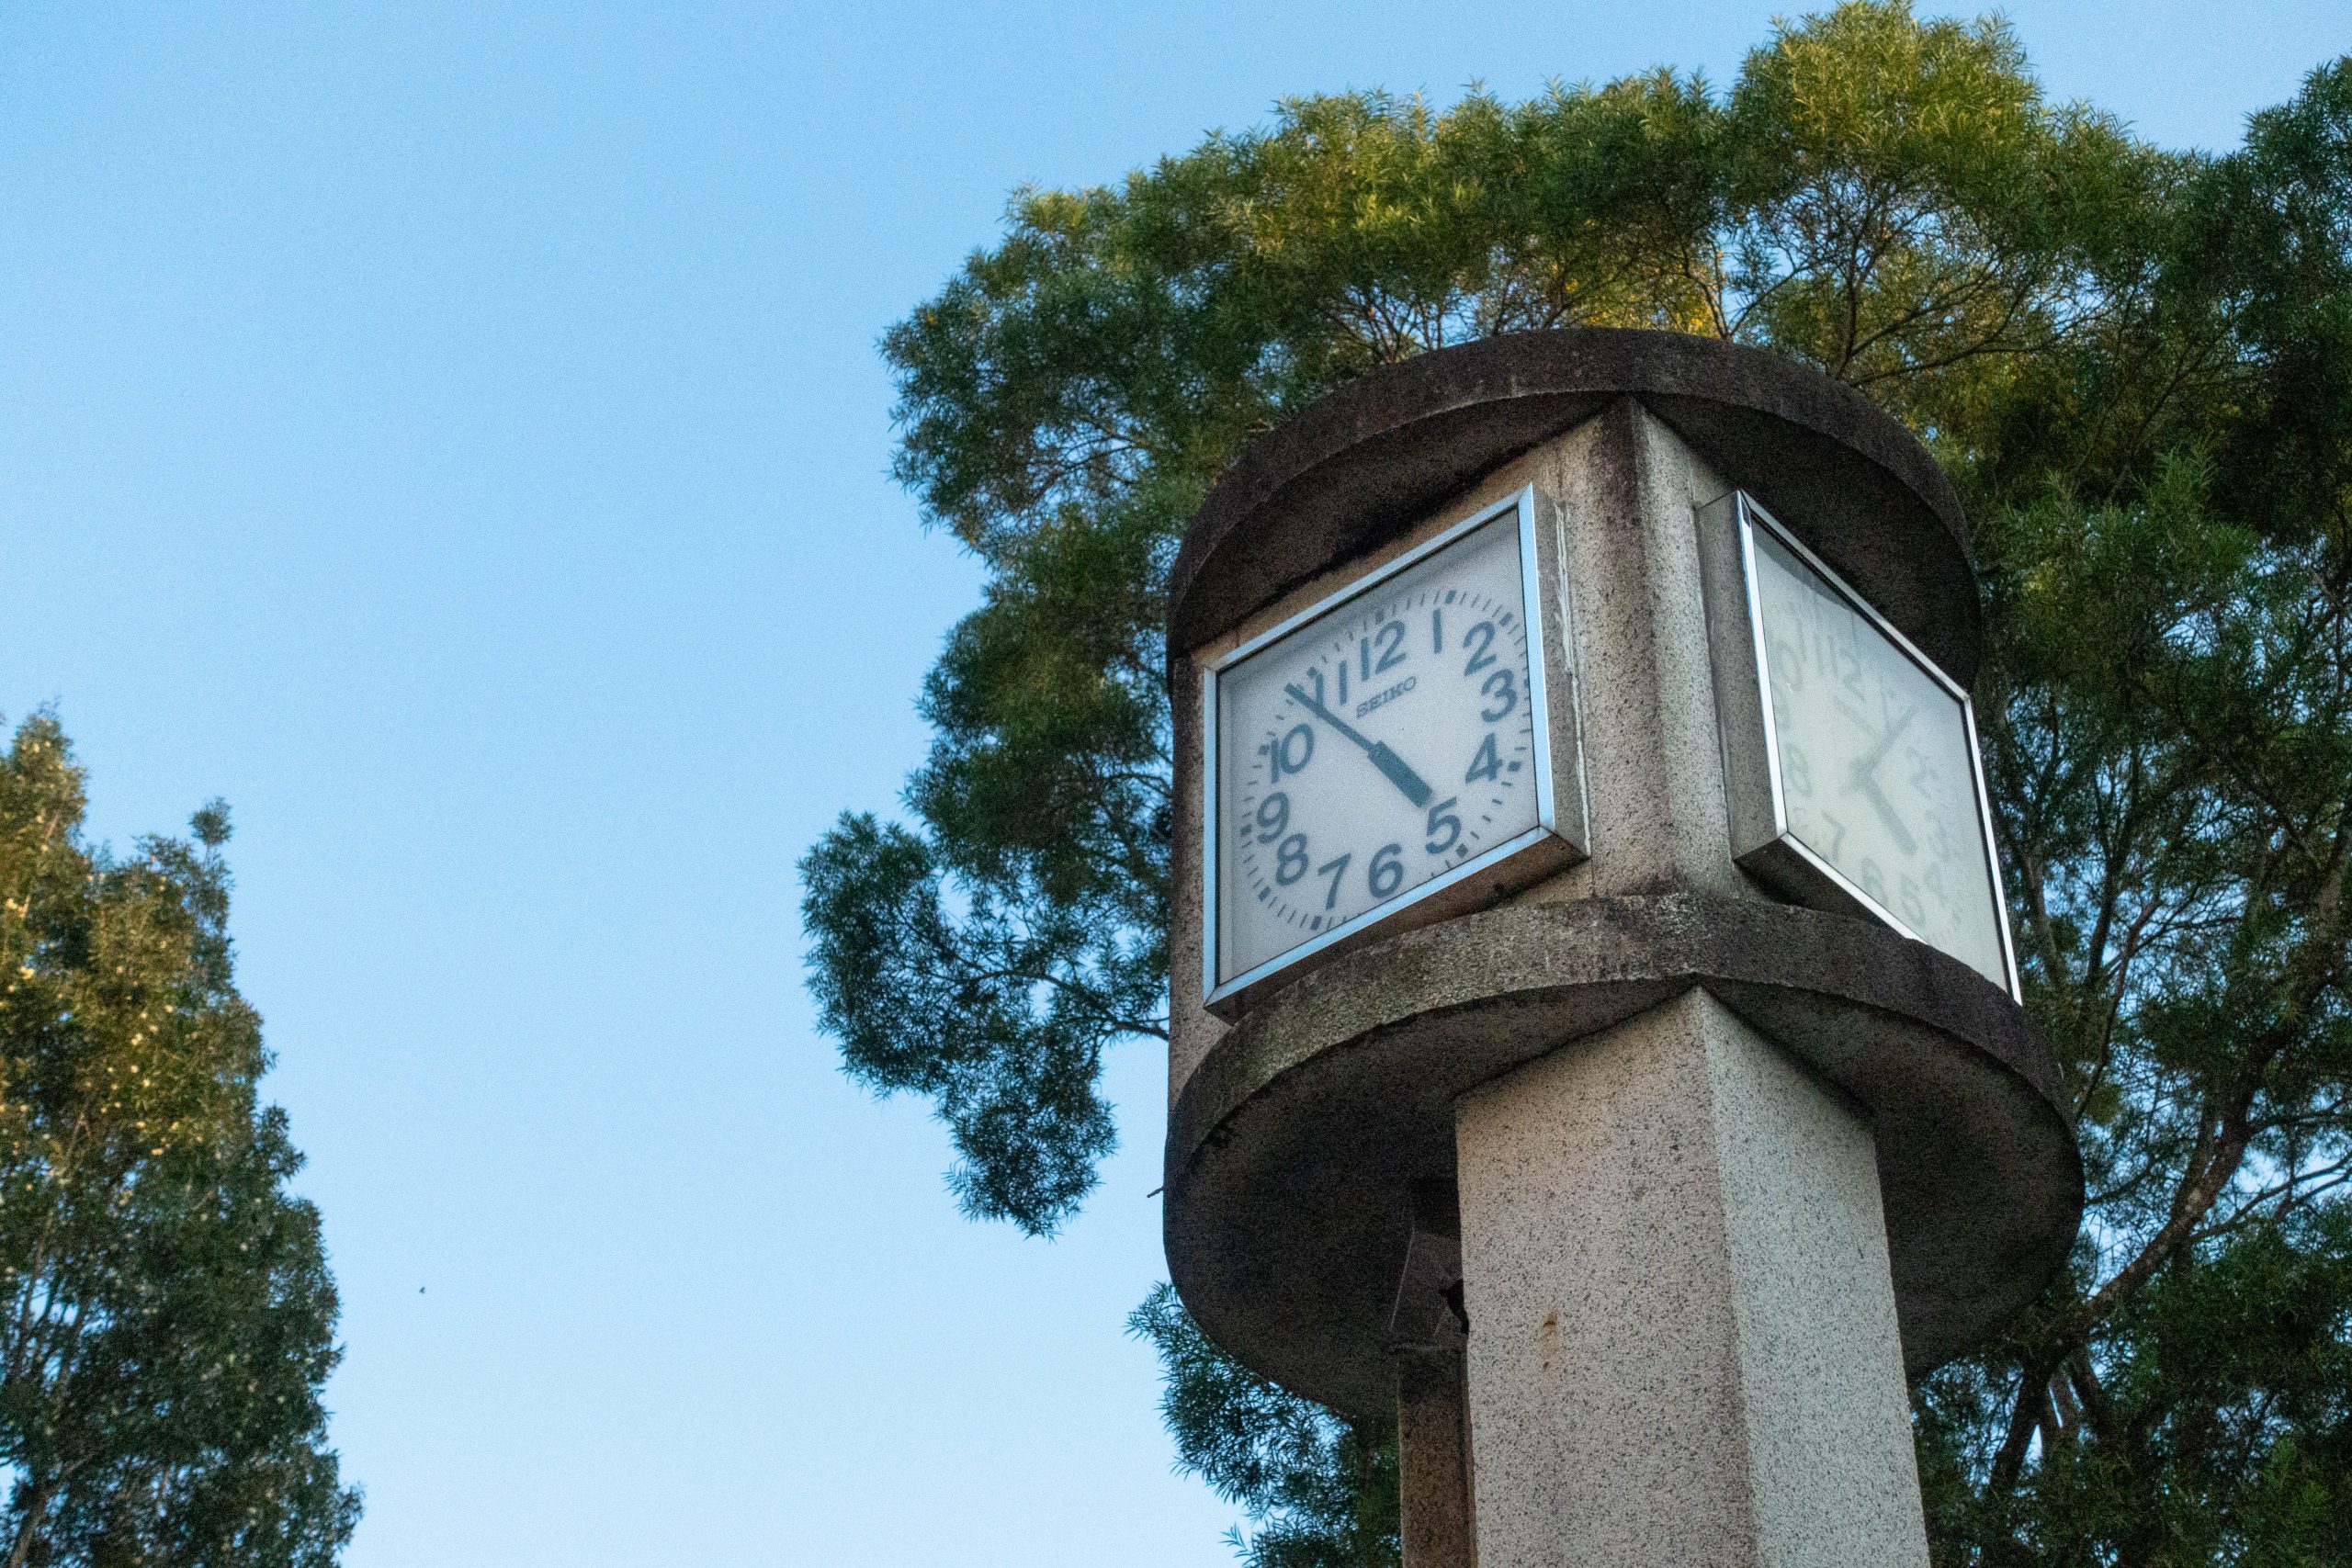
1876, 762
1379, 746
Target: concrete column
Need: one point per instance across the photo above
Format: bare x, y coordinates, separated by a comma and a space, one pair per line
1433, 1455
1683, 1349
1631, 489
1425, 1339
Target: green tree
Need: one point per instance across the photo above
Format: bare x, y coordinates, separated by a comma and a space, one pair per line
169, 1316
2137, 367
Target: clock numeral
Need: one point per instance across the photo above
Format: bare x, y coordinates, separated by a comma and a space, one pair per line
1503, 686
1437, 631
1334, 869
1483, 634
1292, 753
1850, 662
1387, 871
1907, 902
1273, 816
1290, 860
1441, 817
1837, 839
1796, 770
1872, 879
1487, 764
1391, 639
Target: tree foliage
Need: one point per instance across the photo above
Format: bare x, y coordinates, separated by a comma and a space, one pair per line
1325, 1487
169, 1318
2137, 367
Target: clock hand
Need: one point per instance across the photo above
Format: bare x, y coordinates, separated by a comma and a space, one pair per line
1866, 765
1865, 777
1885, 809
1400, 772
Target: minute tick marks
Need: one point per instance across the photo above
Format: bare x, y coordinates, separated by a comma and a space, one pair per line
1359, 743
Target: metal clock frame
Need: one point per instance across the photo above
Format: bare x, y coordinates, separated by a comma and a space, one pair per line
1762, 840
1559, 837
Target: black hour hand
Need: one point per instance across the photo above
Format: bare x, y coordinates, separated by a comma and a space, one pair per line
1887, 814
1394, 768
1400, 772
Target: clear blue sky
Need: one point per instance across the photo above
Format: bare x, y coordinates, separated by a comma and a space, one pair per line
453, 433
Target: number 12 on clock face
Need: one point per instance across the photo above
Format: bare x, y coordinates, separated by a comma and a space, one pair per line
1407, 736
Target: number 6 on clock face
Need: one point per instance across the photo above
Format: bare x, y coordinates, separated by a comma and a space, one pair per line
1401, 750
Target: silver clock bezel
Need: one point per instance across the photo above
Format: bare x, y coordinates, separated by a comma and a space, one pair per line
1762, 841
1559, 836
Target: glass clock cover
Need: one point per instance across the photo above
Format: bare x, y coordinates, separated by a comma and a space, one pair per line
1872, 758
1382, 745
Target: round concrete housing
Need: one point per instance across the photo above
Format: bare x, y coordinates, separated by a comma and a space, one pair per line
1357, 467
1300, 1135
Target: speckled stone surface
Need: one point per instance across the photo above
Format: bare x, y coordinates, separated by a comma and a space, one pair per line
1353, 470
1433, 1453
1683, 1344
1654, 790
1295, 1149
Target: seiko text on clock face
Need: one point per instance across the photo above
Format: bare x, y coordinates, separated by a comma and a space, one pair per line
1876, 762
1379, 746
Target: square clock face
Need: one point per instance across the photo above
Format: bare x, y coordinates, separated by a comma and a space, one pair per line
1851, 759
1406, 738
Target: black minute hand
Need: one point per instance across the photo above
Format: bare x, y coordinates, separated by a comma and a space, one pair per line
1400, 773
1866, 781
1865, 766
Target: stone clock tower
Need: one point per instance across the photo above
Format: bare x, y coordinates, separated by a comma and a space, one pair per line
1595, 1034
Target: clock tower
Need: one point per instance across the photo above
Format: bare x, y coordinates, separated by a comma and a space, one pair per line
1595, 1034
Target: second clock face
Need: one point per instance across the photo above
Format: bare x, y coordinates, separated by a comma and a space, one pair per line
1877, 763
1375, 748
